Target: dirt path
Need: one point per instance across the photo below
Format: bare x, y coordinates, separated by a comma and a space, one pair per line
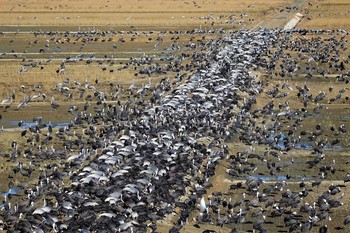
281, 18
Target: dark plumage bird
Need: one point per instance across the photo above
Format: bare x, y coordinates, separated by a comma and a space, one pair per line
24, 132
323, 229
342, 128
307, 226
317, 182
347, 220
347, 178
20, 123
14, 144
54, 104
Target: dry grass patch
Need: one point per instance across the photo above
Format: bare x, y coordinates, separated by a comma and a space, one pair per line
326, 14
134, 12
135, 5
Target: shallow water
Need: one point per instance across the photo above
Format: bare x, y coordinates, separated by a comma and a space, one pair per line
280, 144
11, 124
308, 146
12, 191
281, 177
330, 116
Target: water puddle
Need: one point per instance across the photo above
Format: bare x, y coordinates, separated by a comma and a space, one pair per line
281, 178
279, 142
336, 147
308, 146
9, 124
303, 146
11, 191
330, 116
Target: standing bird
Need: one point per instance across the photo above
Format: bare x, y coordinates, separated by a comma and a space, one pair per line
347, 220
24, 132
54, 105
6, 100
323, 229
50, 127
202, 206
347, 178
20, 123
306, 227
342, 128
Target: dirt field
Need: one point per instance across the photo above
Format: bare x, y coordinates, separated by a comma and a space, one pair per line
108, 66
326, 14
154, 13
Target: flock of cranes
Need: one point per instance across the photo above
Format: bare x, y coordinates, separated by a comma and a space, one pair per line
136, 161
